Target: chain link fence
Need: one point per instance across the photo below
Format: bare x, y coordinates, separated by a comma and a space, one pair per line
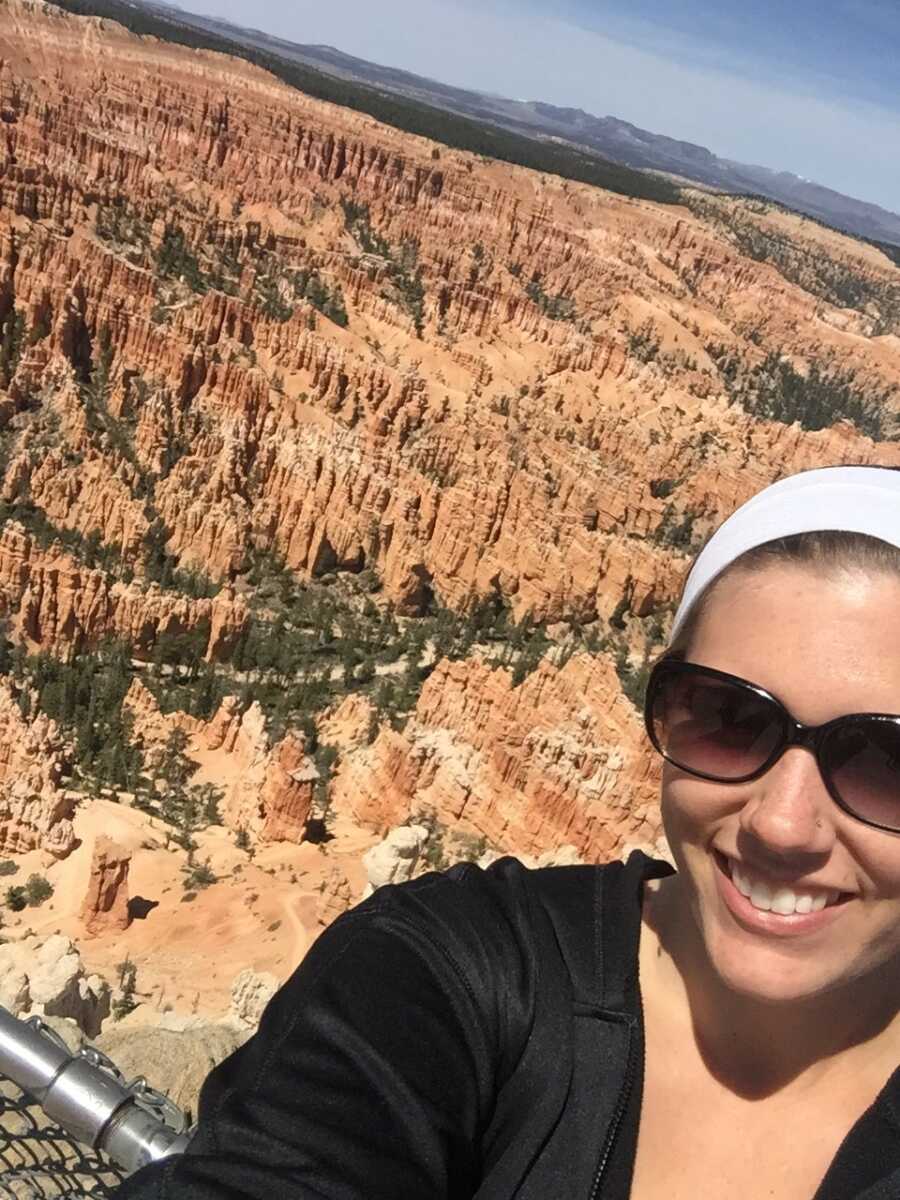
39, 1160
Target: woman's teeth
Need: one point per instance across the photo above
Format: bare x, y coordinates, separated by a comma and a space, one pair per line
777, 899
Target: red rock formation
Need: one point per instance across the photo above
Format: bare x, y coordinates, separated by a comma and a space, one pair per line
35, 808
151, 727
268, 788
57, 604
105, 907
560, 759
505, 449
284, 797
348, 725
335, 897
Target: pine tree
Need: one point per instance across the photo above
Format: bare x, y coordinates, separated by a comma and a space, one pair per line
170, 769
206, 798
125, 1002
97, 390
11, 340
6, 651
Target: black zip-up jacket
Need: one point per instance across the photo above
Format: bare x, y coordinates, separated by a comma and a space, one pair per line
473, 1035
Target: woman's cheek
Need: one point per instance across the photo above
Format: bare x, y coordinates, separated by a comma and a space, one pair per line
683, 814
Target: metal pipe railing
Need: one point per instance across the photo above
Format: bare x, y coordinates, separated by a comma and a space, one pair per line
86, 1094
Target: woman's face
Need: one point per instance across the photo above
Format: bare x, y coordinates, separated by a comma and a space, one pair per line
825, 647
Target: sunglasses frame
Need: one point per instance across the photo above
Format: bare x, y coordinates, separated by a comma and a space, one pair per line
795, 733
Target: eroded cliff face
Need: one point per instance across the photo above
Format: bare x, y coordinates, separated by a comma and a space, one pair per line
35, 807
510, 446
271, 786
267, 785
53, 602
558, 760
236, 322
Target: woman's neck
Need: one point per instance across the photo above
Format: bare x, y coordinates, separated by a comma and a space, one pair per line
756, 1048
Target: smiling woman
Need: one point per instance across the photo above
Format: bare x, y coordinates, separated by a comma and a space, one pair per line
626, 1031
772, 956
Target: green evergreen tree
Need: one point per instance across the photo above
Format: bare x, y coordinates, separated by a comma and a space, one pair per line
6, 650
11, 342
37, 890
170, 769
125, 1002
206, 799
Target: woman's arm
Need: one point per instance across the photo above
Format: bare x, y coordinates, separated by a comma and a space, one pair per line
370, 1078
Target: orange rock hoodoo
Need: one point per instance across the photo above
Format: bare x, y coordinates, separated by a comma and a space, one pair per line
57, 604
272, 786
105, 907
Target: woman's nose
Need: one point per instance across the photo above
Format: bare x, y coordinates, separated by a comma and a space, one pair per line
789, 810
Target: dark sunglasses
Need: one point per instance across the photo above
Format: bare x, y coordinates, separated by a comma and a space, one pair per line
722, 728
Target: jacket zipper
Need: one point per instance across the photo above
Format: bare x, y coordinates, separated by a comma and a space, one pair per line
618, 1115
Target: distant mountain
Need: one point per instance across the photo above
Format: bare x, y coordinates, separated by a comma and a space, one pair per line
614, 139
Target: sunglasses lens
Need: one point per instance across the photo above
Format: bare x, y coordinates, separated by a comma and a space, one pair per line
705, 724
862, 759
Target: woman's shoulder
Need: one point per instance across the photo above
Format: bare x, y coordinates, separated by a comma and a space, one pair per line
506, 888
499, 894
466, 901
507, 910
486, 921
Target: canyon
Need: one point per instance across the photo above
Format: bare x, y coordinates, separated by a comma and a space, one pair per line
274, 376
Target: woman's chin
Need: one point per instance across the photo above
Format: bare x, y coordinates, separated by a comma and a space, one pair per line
763, 955
764, 978
769, 971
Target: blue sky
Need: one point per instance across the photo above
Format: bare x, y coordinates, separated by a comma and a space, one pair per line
839, 48
809, 86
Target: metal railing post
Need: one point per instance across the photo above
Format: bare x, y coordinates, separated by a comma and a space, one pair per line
87, 1096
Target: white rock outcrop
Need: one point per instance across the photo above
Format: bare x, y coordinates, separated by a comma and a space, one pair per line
250, 993
395, 859
47, 977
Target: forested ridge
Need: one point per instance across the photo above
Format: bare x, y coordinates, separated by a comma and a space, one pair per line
460, 133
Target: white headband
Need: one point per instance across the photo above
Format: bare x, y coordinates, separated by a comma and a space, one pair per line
859, 499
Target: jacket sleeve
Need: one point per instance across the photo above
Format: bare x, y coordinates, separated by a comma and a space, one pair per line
371, 1076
